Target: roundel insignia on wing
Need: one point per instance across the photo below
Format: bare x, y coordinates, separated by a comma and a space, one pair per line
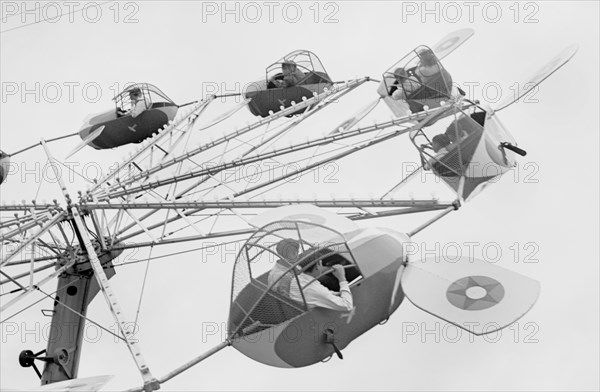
475, 293
446, 44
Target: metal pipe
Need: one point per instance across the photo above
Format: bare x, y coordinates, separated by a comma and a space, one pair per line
434, 219
339, 203
57, 218
27, 273
422, 117
194, 361
186, 365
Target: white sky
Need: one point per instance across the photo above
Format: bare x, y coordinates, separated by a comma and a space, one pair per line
549, 207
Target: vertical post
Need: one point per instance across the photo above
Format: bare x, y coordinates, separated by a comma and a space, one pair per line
67, 328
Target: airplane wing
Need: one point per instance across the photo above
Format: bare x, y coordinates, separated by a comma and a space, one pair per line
472, 294
561, 59
93, 135
451, 42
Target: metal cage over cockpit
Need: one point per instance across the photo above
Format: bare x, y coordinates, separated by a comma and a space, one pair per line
419, 79
307, 62
268, 284
149, 93
284, 85
467, 149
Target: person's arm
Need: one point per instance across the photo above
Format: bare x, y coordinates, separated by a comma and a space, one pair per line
399, 94
412, 85
318, 295
394, 88
288, 81
298, 76
138, 108
293, 78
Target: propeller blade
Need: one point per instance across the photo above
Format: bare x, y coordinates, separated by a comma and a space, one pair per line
4, 165
561, 59
451, 42
224, 116
352, 121
91, 137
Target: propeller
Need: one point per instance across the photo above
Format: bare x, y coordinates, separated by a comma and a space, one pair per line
451, 42
224, 116
525, 88
352, 121
91, 137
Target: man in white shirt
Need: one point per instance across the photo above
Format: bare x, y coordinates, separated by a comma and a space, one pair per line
287, 249
432, 74
317, 295
404, 85
291, 75
309, 289
138, 103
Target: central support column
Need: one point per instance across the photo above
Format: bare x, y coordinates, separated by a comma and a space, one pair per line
77, 287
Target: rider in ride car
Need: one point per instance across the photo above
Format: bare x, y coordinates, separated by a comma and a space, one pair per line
291, 74
138, 103
430, 72
404, 85
314, 293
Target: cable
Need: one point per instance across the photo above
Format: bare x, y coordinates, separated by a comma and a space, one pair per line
181, 252
38, 301
137, 313
81, 315
47, 141
45, 19
66, 306
74, 172
90, 231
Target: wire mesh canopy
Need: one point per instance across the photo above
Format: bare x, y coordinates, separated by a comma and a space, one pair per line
147, 92
304, 59
419, 78
466, 150
306, 62
269, 273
